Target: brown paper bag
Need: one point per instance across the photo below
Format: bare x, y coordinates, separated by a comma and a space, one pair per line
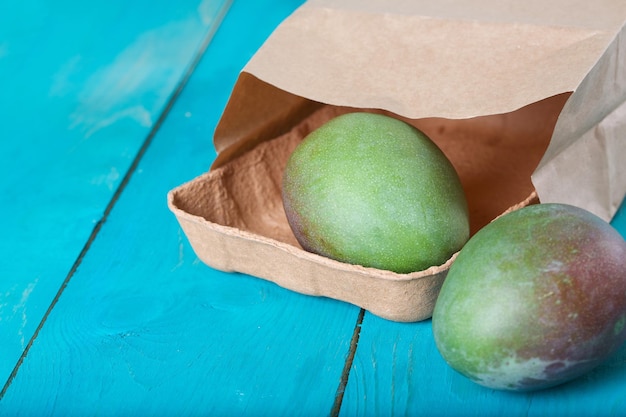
526, 100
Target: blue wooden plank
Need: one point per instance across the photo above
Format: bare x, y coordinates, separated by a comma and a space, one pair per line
81, 85
144, 328
397, 370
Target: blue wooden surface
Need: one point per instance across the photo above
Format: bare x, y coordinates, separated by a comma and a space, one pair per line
105, 309
81, 86
142, 327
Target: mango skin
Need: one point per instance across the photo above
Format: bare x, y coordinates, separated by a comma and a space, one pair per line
534, 299
371, 190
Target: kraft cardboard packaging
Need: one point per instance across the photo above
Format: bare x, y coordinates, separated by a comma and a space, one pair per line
527, 100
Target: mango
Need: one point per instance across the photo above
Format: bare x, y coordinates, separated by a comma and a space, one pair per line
534, 299
371, 190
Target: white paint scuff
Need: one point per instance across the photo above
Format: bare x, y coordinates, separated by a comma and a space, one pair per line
109, 180
20, 310
4, 49
139, 80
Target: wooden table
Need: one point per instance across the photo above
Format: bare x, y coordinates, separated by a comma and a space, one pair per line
104, 308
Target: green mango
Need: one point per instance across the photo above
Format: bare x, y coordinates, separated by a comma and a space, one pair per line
534, 299
372, 190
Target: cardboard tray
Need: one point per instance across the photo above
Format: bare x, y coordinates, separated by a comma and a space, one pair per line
233, 215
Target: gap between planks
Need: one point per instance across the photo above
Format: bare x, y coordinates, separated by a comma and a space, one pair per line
345, 374
122, 186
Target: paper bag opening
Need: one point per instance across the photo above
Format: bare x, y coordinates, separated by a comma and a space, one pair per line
494, 155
